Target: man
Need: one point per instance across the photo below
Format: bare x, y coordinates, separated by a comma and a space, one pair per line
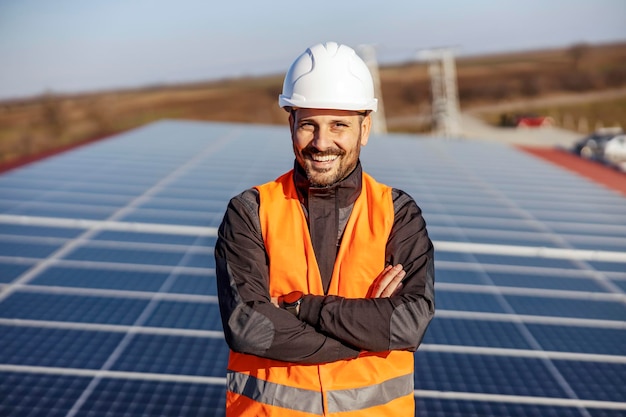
325, 276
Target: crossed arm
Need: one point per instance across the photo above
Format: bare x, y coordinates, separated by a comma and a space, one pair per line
329, 328
386, 284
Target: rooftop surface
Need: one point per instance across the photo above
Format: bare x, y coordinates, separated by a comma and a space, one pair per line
107, 285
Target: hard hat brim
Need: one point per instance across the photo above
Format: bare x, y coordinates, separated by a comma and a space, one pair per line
287, 102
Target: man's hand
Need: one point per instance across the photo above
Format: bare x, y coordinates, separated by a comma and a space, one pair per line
388, 282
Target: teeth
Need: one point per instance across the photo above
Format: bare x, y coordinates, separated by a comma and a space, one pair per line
325, 158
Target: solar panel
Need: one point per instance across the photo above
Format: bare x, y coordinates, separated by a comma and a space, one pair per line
108, 303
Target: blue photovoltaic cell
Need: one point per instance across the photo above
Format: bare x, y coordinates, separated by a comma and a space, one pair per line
6, 206
195, 284
39, 395
452, 256
600, 412
68, 211
12, 193
102, 278
10, 271
186, 315
123, 398
213, 194
459, 276
598, 219
183, 219
586, 377
460, 408
608, 266
466, 332
192, 203
145, 237
546, 282
521, 240
74, 308
130, 191
582, 229
62, 348
524, 261
133, 256
463, 225
200, 260
197, 356
484, 374
458, 300
604, 244
160, 282
41, 231
206, 241
114, 279
621, 284
27, 249
90, 199
496, 213
611, 341
550, 306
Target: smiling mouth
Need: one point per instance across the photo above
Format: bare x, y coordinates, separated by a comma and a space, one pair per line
323, 158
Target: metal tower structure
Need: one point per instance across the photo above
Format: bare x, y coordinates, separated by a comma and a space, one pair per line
368, 54
445, 102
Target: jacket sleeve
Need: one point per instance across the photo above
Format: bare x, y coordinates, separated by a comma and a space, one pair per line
251, 323
395, 323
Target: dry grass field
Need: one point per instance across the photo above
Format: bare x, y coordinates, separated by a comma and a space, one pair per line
487, 85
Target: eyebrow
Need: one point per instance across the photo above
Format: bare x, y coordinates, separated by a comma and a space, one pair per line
345, 120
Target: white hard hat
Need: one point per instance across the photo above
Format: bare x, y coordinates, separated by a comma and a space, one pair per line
329, 76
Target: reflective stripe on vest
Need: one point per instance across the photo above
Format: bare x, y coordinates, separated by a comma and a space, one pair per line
310, 401
275, 394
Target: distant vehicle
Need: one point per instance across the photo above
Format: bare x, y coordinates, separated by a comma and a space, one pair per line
525, 120
615, 152
592, 146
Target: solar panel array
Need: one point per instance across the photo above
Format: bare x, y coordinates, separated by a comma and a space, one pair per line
107, 284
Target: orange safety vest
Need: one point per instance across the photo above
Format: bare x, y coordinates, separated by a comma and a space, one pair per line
374, 384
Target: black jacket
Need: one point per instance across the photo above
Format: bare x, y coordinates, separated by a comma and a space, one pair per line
379, 324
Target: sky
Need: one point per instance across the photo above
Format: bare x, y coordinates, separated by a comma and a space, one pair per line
69, 46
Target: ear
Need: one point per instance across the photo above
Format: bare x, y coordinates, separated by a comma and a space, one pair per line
366, 126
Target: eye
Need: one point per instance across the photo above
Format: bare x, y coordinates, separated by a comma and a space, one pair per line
306, 126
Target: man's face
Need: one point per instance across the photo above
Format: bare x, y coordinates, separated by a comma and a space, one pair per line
327, 143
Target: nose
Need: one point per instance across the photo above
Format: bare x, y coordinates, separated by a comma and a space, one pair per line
322, 140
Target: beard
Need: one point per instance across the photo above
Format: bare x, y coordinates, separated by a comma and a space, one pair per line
327, 177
